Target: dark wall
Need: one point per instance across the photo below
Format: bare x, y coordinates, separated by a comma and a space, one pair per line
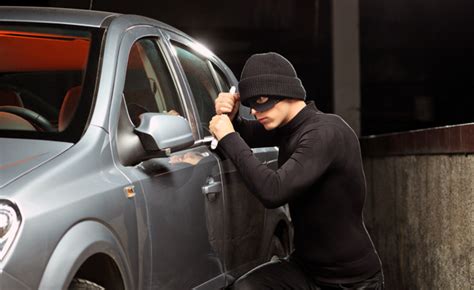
417, 60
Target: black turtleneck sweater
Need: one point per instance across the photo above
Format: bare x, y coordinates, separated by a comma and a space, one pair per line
321, 177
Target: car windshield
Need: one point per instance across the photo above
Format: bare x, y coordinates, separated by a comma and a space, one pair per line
44, 92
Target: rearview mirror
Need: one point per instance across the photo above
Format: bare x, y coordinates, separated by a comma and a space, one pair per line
161, 133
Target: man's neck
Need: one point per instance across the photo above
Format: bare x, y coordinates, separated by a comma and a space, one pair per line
295, 107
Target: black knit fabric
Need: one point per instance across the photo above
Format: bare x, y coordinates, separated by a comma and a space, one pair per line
321, 177
269, 74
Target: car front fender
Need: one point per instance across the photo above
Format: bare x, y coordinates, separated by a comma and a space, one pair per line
78, 244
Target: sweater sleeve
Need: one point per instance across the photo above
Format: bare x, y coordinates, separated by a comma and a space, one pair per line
311, 158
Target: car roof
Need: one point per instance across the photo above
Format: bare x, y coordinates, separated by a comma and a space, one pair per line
78, 17
54, 16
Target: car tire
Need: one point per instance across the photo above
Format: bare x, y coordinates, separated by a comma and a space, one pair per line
82, 284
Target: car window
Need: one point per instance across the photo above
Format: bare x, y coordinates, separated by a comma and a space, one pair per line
47, 76
201, 82
149, 86
221, 78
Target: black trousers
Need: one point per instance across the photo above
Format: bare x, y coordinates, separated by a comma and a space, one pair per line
284, 274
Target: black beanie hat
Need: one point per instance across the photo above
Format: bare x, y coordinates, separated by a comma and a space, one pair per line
269, 74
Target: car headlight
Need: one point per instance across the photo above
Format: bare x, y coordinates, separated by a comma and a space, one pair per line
10, 220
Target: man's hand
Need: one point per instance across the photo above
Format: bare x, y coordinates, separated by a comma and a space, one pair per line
172, 112
192, 158
227, 103
220, 126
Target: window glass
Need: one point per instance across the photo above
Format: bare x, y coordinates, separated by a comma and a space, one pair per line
43, 71
201, 82
222, 79
149, 86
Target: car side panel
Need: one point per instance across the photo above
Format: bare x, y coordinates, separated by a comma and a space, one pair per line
185, 225
79, 243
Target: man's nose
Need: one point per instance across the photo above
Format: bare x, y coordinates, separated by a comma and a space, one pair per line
253, 111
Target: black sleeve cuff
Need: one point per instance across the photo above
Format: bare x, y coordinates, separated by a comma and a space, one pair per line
228, 140
232, 144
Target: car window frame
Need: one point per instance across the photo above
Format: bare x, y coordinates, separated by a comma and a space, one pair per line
128, 39
211, 60
149, 67
136, 34
205, 134
180, 78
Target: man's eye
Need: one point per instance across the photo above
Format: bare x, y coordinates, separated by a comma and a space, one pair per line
262, 100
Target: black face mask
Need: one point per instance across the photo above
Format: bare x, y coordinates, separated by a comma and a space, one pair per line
261, 103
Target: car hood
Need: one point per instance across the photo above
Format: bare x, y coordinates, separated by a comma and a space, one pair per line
20, 156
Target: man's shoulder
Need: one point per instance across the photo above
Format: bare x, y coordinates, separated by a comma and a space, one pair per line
329, 120
326, 123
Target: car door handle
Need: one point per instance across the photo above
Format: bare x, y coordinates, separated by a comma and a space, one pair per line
214, 187
211, 190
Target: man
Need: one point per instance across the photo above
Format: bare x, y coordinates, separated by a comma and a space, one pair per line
320, 176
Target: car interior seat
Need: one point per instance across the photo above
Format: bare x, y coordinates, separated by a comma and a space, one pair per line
69, 107
9, 97
13, 122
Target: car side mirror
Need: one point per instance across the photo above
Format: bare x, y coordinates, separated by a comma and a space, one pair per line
161, 133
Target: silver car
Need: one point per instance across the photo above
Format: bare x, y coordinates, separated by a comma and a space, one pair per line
107, 178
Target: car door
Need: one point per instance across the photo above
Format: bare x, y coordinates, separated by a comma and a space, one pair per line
244, 215
247, 217
179, 250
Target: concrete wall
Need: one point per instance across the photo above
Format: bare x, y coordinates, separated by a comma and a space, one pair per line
420, 213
